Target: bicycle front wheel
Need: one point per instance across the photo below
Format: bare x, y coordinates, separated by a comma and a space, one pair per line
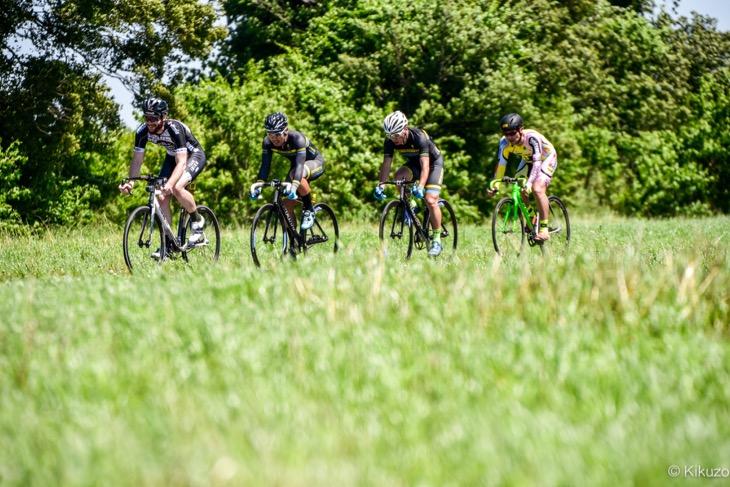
508, 228
449, 229
206, 250
268, 237
558, 226
396, 231
144, 240
324, 236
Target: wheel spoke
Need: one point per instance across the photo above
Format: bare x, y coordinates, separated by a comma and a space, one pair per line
508, 229
396, 236
268, 238
143, 240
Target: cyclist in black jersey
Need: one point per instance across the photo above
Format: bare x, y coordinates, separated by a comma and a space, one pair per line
425, 164
307, 163
185, 159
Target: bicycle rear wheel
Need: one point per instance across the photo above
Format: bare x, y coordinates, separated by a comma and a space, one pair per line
143, 237
268, 237
205, 252
449, 229
324, 236
558, 226
508, 228
396, 231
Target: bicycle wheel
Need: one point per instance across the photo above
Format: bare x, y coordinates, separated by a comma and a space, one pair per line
508, 228
324, 236
143, 237
558, 226
396, 232
205, 252
268, 237
449, 229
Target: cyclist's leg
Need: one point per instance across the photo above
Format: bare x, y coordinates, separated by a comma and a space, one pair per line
289, 204
195, 164
433, 190
313, 169
539, 187
406, 172
523, 171
165, 172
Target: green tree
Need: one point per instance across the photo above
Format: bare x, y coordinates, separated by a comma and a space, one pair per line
52, 98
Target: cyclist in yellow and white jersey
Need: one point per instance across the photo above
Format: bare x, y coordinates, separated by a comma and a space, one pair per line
538, 164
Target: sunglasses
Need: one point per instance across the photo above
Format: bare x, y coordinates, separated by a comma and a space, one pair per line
151, 118
396, 136
510, 134
276, 133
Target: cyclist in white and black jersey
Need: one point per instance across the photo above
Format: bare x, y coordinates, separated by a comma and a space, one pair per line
184, 161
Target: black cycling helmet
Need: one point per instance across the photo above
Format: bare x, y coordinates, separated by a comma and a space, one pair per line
511, 122
154, 106
276, 123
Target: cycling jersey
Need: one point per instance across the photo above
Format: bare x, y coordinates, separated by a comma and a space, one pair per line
418, 144
176, 137
535, 151
300, 151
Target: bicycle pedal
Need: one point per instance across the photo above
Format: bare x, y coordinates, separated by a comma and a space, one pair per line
315, 239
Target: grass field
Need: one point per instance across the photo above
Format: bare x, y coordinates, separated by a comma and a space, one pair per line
605, 366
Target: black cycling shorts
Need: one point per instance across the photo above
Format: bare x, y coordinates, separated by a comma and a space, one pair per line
196, 163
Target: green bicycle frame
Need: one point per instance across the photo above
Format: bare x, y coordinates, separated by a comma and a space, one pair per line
519, 206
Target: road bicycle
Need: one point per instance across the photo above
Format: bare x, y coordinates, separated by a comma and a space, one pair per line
511, 225
149, 239
401, 230
274, 232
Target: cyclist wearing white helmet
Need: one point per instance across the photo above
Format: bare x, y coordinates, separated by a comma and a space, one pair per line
425, 165
307, 163
539, 161
184, 161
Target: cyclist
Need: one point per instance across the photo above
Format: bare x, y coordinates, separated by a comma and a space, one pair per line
307, 163
539, 160
425, 165
185, 159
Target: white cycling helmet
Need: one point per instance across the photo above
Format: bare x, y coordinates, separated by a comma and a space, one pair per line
395, 123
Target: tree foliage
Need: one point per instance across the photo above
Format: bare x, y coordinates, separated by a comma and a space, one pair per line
635, 101
52, 98
617, 92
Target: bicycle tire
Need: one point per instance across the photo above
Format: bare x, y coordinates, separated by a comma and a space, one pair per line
269, 240
207, 251
558, 226
396, 233
449, 227
143, 236
324, 236
508, 228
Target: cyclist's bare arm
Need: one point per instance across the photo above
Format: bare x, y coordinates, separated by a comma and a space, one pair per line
385, 169
425, 170
134, 167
